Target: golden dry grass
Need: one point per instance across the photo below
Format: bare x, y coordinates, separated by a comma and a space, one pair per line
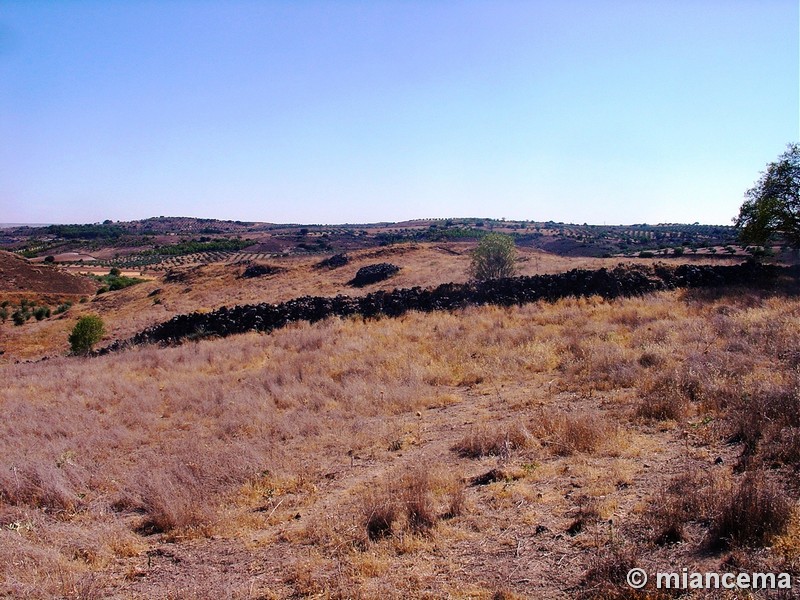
210, 286
339, 459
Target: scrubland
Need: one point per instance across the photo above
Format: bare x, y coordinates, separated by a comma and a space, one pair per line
536, 451
205, 287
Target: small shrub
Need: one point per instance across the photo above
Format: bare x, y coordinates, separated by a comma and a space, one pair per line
115, 281
403, 503
665, 398
606, 578
753, 515
567, 433
62, 308
86, 333
261, 271
494, 257
41, 312
492, 441
690, 497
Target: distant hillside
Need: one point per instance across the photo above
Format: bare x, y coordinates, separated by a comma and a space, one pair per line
146, 242
18, 275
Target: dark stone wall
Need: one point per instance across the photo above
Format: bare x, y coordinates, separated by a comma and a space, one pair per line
620, 281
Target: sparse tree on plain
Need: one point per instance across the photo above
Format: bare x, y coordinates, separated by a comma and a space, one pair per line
86, 333
494, 257
773, 204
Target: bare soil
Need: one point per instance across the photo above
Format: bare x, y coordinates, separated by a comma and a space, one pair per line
19, 275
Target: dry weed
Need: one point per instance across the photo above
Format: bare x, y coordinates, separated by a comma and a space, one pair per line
567, 433
692, 497
754, 513
493, 440
98, 453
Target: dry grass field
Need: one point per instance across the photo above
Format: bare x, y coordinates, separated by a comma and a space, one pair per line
210, 286
527, 452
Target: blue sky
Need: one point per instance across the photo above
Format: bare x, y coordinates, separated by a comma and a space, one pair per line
338, 111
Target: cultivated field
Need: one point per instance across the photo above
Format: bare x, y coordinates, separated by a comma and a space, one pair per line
528, 452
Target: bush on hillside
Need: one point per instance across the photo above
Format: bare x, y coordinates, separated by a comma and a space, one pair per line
86, 333
494, 257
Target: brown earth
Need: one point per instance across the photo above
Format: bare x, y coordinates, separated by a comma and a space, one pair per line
19, 275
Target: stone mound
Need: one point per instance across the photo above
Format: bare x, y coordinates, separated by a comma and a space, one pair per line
373, 274
261, 271
333, 262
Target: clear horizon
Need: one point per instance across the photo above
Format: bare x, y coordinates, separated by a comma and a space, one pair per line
614, 112
354, 223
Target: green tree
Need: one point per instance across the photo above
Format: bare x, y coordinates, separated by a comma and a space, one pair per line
86, 333
772, 205
493, 257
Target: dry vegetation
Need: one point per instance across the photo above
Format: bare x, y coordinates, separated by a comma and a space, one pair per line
535, 451
207, 287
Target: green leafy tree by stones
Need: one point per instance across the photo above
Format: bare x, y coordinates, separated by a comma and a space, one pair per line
493, 257
773, 204
86, 333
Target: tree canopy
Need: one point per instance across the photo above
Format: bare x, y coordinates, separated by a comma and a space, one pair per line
86, 333
772, 205
493, 257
